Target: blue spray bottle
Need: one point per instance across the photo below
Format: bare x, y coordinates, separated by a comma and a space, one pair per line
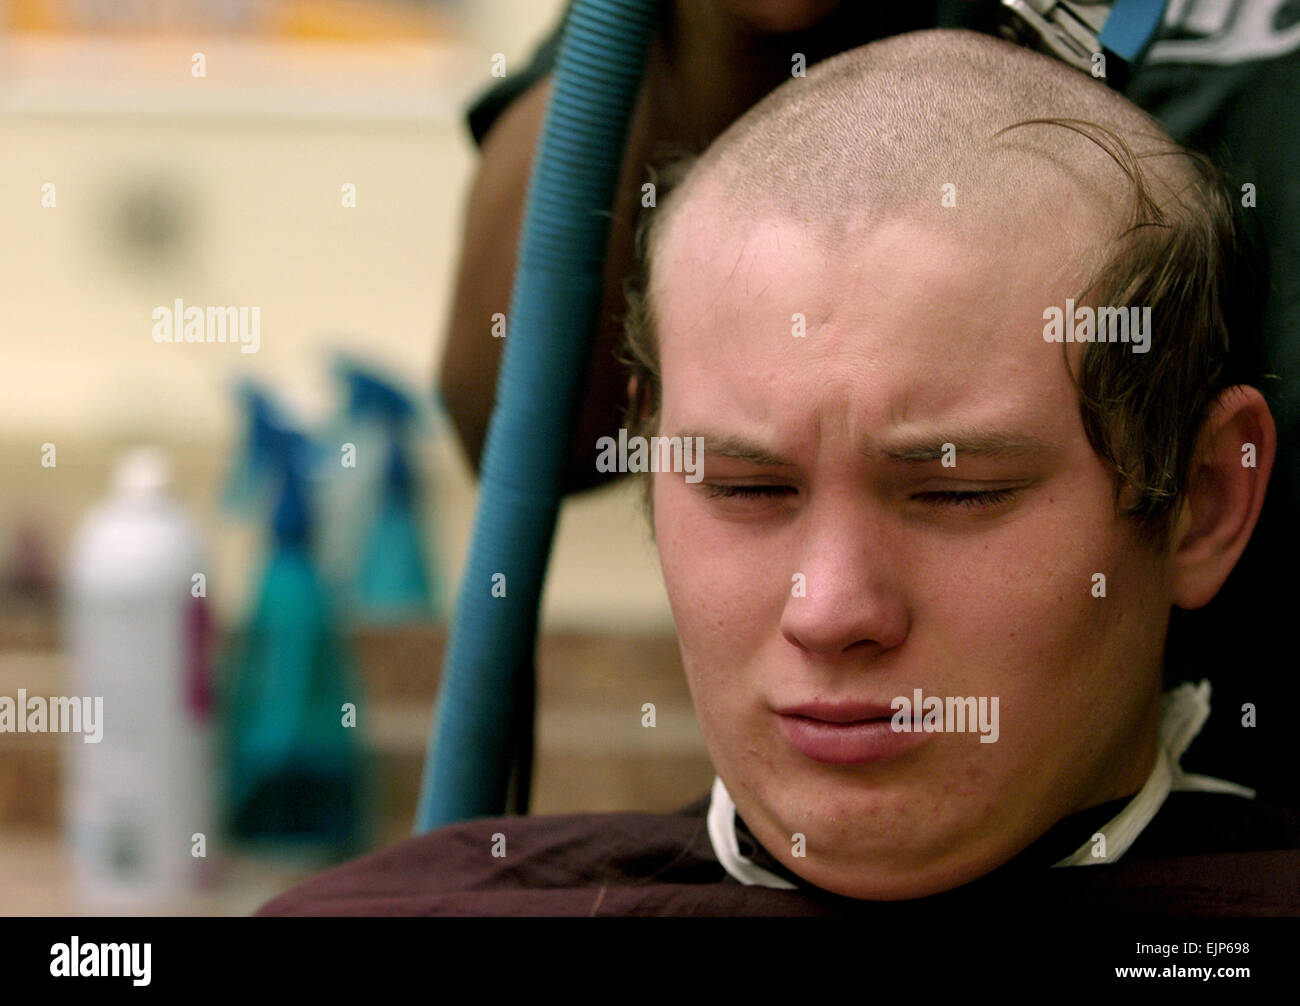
294, 757
393, 573
249, 491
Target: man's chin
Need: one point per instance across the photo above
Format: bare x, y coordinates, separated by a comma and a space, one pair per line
908, 859
870, 883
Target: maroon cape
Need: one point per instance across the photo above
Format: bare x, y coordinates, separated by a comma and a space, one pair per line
1204, 854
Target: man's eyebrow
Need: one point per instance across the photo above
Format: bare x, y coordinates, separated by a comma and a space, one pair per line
737, 448
971, 443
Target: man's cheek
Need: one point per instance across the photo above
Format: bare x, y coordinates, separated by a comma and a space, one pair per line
714, 579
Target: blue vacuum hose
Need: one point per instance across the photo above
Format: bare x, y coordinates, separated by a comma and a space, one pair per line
484, 718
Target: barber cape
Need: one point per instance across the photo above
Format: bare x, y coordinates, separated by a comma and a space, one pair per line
1183, 712
1184, 845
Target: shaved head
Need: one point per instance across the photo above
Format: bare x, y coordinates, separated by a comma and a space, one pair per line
881, 130
982, 141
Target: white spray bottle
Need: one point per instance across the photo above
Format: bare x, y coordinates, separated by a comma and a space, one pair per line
139, 802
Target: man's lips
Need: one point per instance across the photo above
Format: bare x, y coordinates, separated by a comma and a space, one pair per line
840, 712
846, 733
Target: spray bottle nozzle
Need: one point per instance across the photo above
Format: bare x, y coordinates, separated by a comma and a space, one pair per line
291, 458
372, 396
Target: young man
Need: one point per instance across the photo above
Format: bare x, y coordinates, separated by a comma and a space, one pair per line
954, 328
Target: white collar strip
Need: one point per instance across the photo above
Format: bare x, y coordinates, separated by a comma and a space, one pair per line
722, 833
1183, 712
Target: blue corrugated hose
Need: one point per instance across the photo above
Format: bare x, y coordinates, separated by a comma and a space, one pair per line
483, 724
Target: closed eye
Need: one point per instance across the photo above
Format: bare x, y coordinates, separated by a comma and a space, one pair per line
960, 498
746, 492
969, 498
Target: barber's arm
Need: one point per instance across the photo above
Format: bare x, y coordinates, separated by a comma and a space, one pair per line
493, 218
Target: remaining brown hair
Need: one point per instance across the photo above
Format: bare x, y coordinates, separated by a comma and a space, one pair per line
868, 131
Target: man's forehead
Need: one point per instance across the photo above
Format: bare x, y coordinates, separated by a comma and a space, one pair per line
770, 274
915, 328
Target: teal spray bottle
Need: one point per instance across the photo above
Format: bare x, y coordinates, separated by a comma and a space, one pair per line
394, 572
294, 756
248, 489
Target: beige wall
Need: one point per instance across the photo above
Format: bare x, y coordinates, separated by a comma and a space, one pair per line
251, 159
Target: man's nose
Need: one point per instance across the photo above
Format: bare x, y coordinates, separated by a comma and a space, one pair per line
846, 596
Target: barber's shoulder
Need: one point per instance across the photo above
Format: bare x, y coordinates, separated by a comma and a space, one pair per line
513, 136
496, 198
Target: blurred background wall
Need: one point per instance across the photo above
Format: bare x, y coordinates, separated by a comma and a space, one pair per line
127, 182
226, 190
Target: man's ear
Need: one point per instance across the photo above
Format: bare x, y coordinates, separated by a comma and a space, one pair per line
1225, 493
640, 403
